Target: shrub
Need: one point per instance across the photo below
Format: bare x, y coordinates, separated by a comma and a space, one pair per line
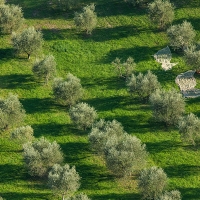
29, 41
152, 182
11, 18
23, 134
189, 128
67, 91
172, 195
100, 133
45, 68
82, 115
2, 2
192, 56
125, 155
11, 112
87, 20
124, 69
168, 106
181, 35
143, 85
41, 155
161, 12
63, 179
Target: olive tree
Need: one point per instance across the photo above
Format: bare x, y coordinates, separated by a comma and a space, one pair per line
11, 112
125, 156
63, 180
161, 12
2, 2
41, 155
152, 182
22, 134
189, 128
67, 91
192, 56
167, 106
87, 20
143, 85
80, 196
170, 195
82, 115
45, 69
101, 131
29, 41
126, 68
11, 18
181, 35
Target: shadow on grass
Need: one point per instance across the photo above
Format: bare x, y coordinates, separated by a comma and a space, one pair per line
6, 53
139, 53
112, 196
182, 170
36, 105
79, 154
14, 81
190, 193
156, 147
20, 196
10, 172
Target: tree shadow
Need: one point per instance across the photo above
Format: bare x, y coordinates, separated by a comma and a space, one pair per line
186, 3
165, 146
6, 54
182, 170
139, 53
36, 105
16, 81
9, 172
190, 193
20, 196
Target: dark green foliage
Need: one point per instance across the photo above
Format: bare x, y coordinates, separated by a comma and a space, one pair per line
124, 69
11, 18
192, 56
29, 41
67, 91
137, 2
189, 128
22, 134
143, 85
168, 106
82, 115
161, 12
87, 20
11, 112
63, 180
152, 182
45, 69
40, 156
66, 4
170, 195
181, 35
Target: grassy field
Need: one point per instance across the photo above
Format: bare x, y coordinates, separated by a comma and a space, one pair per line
122, 31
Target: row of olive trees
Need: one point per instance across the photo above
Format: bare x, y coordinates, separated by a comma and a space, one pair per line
124, 154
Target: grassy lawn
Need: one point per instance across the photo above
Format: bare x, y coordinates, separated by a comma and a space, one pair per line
122, 31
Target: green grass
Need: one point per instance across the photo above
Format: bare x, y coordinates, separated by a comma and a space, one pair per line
122, 31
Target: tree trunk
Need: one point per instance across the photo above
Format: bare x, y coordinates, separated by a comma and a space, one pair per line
29, 55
